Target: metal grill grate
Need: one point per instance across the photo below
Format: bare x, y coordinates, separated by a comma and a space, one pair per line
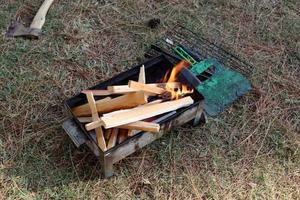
205, 48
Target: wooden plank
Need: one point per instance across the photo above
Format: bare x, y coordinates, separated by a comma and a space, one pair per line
134, 132
97, 92
139, 125
120, 89
142, 75
113, 138
125, 110
108, 105
145, 112
145, 87
84, 119
142, 126
95, 117
85, 107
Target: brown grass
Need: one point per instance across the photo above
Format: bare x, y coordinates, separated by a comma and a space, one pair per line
251, 151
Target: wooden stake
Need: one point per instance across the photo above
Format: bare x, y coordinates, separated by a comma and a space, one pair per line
95, 117
142, 75
144, 87
113, 138
123, 102
145, 112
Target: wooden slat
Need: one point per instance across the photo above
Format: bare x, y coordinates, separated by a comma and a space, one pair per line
113, 138
107, 133
139, 125
145, 87
84, 119
125, 110
95, 117
97, 92
142, 75
143, 126
120, 89
108, 105
145, 112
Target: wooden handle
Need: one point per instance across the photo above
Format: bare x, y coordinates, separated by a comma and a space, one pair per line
39, 19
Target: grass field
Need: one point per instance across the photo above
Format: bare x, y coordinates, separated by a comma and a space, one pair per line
251, 151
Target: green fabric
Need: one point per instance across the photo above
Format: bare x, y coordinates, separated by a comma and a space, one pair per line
222, 88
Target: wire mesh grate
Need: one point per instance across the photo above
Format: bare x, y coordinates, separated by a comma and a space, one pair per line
199, 44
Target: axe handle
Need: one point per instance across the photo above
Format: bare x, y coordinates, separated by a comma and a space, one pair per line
39, 19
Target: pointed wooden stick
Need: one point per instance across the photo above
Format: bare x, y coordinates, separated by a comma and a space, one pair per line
95, 117
142, 75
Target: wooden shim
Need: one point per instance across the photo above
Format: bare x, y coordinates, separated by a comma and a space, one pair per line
142, 126
142, 75
113, 138
144, 87
97, 92
95, 117
123, 102
145, 112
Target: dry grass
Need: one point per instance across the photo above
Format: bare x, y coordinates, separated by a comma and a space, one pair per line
249, 152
